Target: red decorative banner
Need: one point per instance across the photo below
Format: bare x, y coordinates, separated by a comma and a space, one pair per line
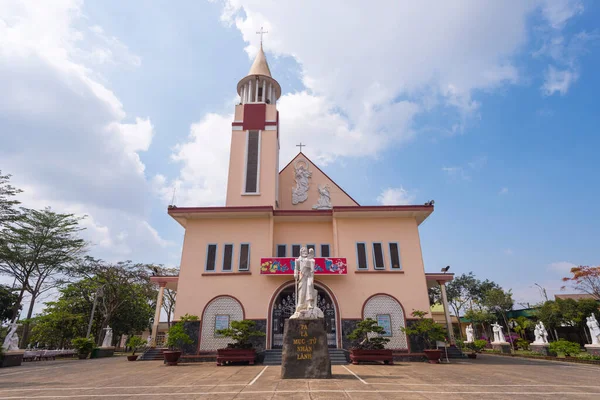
285, 266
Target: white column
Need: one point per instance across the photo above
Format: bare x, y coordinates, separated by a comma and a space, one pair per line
250, 91
243, 94
271, 93
256, 92
159, 302
447, 312
264, 92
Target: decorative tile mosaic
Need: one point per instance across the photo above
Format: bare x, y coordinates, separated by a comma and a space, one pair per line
224, 305
383, 304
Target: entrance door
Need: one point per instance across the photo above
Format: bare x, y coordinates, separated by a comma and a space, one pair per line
284, 307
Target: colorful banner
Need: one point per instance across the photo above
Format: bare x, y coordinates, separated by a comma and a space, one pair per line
285, 266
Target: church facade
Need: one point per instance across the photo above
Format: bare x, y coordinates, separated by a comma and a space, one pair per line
237, 260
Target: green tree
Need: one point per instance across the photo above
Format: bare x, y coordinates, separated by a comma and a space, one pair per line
8, 298
459, 293
425, 329
481, 317
550, 314
241, 332
367, 335
521, 324
499, 302
60, 322
8, 212
36, 249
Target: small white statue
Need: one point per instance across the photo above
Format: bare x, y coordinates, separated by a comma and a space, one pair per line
149, 340
498, 334
469, 330
324, 202
301, 176
594, 329
541, 334
107, 342
306, 297
11, 341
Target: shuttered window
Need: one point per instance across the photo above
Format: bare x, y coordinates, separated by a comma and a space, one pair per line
394, 256
281, 250
311, 246
378, 256
244, 257
324, 250
211, 257
227, 256
252, 162
296, 250
361, 255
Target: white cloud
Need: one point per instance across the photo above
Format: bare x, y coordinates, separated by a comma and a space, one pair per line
558, 81
504, 190
396, 196
558, 12
508, 252
562, 267
66, 137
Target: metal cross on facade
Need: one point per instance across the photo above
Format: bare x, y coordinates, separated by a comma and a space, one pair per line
301, 146
261, 32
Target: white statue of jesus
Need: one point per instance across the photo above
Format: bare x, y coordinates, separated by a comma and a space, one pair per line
107, 342
306, 295
11, 341
541, 334
594, 329
498, 334
469, 330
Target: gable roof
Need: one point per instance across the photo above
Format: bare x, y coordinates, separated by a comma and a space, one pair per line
321, 171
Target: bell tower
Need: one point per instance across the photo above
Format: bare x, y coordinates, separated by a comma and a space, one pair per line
254, 154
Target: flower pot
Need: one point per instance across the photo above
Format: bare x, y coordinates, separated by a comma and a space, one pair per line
82, 356
234, 355
132, 358
382, 355
433, 356
171, 357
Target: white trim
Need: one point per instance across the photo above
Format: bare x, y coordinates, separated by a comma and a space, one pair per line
237, 128
250, 194
270, 128
271, 120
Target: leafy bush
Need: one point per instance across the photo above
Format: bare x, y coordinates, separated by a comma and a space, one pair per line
135, 342
426, 329
522, 344
83, 345
565, 347
478, 345
178, 337
188, 317
241, 332
587, 356
366, 336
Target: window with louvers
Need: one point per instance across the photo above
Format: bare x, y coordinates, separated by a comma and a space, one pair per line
394, 256
361, 254
324, 250
378, 256
252, 163
244, 257
227, 255
296, 250
211, 256
281, 250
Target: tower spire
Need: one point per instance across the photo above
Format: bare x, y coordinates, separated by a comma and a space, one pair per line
261, 33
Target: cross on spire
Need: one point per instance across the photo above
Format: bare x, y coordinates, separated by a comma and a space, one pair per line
261, 32
301, 146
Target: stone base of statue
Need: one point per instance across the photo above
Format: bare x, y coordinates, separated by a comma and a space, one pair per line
540, 348
11, 358
593, 349
503, 347
101, 352
305, 354
313, 313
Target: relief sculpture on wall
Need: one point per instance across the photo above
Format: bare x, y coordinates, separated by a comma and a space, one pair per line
301, 176
324, 202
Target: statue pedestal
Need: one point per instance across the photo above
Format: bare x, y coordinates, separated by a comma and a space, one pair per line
593, 349
541, 348
11, 358
503, 347
100, 352
305, 354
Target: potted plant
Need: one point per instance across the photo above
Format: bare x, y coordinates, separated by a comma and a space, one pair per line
475, 347
84, 346
176, 339
429, 332
369, 345
136, 343
241, 349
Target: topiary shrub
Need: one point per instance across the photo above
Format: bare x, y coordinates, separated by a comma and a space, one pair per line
241, 332
522, 344
565, 347
367, 335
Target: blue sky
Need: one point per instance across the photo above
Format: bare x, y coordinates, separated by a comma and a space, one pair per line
484, 107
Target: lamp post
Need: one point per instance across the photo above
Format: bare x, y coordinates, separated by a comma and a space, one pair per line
542, 291
99, 292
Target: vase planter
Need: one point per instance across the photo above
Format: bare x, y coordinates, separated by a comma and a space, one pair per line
82, 356
235, 355
171, 357
433, 356
132, 358
384, 355
12, 358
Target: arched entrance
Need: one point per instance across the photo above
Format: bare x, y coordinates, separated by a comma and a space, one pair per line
283, 308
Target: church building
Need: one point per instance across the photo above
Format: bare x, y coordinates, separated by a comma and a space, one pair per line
237, 260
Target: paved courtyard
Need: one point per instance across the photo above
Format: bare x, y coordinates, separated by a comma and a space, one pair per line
488, 377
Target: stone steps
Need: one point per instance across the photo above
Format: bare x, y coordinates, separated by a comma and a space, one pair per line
152, 354
337, 357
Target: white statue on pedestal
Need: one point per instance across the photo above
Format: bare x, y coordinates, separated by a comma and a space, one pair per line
107, 342
306, 294
592, 325
498, 334
324, 202
11, 341
541, 334
301, 176
469, 330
